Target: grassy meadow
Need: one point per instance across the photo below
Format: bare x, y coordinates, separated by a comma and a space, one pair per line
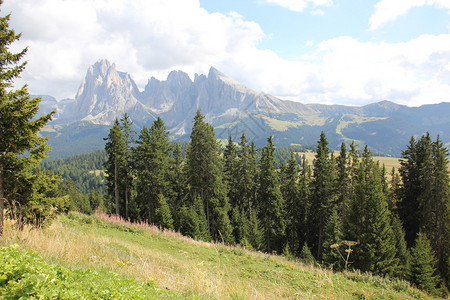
172, 266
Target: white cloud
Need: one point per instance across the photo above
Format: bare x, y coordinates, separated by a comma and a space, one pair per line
146, 38
301, 5
318, 12
389, 10
151, 38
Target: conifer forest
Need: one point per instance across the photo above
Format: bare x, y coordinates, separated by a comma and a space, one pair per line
345, 210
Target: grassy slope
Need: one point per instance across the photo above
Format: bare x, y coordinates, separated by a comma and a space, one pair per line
192, 268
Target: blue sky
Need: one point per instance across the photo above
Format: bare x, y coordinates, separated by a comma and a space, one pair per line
312, 51
289, 31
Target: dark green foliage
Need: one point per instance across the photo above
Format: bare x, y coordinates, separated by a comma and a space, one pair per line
193, 220
304, 194
291, 196
343, 186
422, 270
270, 202
323, 197
306, 255
368, 221
425, 197
163, 216
152, 161
177, 185
28, 192
115, 149
85, 170
401, 250
333, 235
126, 171
204, 173
246, 182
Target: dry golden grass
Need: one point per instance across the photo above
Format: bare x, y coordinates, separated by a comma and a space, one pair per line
190, 267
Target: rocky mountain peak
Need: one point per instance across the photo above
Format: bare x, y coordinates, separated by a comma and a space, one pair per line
105, 93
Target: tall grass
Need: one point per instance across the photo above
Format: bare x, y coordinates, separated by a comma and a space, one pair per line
190, 267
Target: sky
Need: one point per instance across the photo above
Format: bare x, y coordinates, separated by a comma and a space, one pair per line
348, 52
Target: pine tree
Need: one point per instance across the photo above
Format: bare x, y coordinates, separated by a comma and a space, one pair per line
422, 269
333, 235
401, 250
270, 201
437, 210
246, 187
204, 174
21, 148
230, 172
414, 165
115, 149
290, 192
342, 185
323, 196
425, 197
126, 170
402, 253
193, 220
178, 186
152, 159
306, 255
368, 221
163, 215
304, 203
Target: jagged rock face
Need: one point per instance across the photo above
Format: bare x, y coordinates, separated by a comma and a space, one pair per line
105, 94
162, 95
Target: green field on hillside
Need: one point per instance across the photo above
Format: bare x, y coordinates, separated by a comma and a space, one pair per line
165, 264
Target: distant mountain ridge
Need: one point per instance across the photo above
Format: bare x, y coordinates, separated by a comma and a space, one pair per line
106, 94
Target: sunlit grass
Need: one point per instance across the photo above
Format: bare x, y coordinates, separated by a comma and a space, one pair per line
192, 267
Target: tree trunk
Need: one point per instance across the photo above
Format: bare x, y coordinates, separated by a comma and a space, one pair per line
126, 201
116, 187
1, 204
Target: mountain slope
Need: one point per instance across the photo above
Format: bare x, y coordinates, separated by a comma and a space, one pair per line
106, 94
192, 268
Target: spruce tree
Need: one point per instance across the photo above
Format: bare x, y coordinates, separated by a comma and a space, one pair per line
422, 270
437, 210
115, 149
333, 235
246, 187
342, 184
290, 192
414, 166
306, 255
368, 221
230, 172
152, 159
270, 201
163, 215
21, 148
304, 194
204, 175
193, 220
178, 185
323, 196
126, 170
425, 197
401, 250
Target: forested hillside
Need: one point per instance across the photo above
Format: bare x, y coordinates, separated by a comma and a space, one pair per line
342, 210
85, 170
